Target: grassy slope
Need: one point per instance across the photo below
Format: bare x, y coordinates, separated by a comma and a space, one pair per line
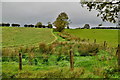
111, 36
25, 36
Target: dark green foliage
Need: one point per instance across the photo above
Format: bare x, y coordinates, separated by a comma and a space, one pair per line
108, 11
4, 24
55, 30
86, 26
49, 25
61, 22
88, 49
38, 25
62, 57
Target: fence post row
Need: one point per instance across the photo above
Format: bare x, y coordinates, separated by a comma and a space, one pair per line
20, 61
71, 60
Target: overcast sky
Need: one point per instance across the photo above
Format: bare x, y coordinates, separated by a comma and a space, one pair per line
33, 12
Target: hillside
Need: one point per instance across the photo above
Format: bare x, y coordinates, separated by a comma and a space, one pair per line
14, 36
101, 35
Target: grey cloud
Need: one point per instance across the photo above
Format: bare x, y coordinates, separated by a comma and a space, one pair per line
32, 12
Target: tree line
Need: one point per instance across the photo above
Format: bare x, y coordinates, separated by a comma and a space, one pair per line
8, 25
87, 26
105, 28
38, 25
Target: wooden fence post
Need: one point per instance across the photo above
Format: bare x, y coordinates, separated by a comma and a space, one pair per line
105, 44
20, 61
71, 60
94, 40
118, 56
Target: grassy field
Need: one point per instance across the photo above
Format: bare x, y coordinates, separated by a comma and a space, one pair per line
101, 35
53, 60
13, 36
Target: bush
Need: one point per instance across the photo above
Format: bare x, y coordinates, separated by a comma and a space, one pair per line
9, 52
88, 49
42, 47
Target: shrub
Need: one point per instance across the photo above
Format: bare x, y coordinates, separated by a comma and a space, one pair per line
9, 54
88, 49
42, 47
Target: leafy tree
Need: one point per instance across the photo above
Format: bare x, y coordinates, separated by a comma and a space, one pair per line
100, 25
108, 11
39, 25
86, 26
25, 25
15, 25
49, 25
61, 22
43, 26
5, 24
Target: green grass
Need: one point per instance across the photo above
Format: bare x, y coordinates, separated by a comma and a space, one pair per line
84, 67
55, 65
101, 35
13, 36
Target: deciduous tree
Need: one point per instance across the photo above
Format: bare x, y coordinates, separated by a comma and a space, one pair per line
61, 22
39, 25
